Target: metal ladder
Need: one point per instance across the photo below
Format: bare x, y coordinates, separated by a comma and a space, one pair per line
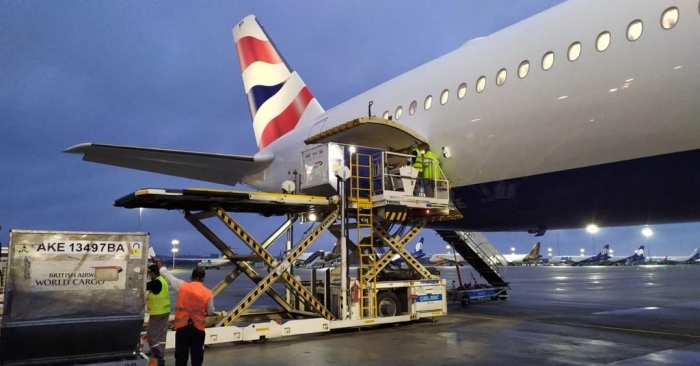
361, 194
478, 252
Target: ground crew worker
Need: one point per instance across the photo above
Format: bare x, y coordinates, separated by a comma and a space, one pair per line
417, 163
158, 306
431, 172
194, 302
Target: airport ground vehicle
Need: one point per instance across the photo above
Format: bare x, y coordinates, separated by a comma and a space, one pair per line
347, 188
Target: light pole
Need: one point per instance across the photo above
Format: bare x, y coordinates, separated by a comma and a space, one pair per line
549, 252
140, 212
175, 249
582, 251
592, 228
512, 250
647, 232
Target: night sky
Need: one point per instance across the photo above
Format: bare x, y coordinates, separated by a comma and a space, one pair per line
165, 74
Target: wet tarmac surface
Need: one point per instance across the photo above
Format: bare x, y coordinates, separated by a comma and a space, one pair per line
645, 315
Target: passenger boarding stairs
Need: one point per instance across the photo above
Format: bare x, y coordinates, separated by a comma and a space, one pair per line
479, 253
314, 257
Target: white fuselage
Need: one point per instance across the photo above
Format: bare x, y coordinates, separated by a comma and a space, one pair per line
603, 107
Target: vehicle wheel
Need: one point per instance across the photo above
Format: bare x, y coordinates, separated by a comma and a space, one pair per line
387, 304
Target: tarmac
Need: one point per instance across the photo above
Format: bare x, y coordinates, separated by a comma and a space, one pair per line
642, 315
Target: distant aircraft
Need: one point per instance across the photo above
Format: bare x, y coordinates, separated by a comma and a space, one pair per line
216, 263
416, 253
599, 258
636, 258
584, 99
532, 257
447, 258
694, 257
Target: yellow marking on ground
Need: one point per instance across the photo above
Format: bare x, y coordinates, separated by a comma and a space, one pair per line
589, 326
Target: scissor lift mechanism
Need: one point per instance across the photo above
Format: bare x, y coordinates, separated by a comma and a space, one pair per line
426, 296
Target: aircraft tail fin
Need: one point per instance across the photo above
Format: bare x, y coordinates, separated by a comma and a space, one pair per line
277, 97
419, 245
535, 252
695, 254
605, 250
640, 251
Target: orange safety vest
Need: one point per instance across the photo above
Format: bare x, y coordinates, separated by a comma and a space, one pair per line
191, 304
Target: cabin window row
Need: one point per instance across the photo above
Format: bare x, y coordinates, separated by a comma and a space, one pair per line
669, 19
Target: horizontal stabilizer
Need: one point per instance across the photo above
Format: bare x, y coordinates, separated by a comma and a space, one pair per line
208, 167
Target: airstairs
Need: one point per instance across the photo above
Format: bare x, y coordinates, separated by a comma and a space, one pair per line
479, 253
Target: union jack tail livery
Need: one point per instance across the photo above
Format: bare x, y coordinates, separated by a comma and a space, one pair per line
278, 98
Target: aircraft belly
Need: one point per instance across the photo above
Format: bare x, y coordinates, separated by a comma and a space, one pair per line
659, 189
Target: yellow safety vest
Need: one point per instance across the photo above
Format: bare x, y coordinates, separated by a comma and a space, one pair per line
159, 304
432, 166
418, 161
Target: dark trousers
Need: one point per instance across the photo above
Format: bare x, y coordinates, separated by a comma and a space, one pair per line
189, 341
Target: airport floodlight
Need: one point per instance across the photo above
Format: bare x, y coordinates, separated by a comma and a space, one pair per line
592, 228
611, 251
582, 251
647, 232
512, 249
175, 249
312, 217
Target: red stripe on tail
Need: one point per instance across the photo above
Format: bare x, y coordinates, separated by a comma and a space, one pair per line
251, 49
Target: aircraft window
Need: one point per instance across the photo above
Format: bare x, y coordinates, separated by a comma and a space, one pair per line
399, 112
603, 41
574, 51
634, 30
523, 69
669, 18
385, 115
444, 96
481, 84
548, 60
462, 90
501, 77
428, 102
412, 108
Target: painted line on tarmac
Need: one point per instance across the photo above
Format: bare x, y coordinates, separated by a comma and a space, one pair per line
589, 326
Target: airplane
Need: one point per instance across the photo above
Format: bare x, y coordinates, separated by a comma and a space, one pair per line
447, 258
693, 259
636, 258
532, 257
539, 125
416, 253
599, 258
217, 263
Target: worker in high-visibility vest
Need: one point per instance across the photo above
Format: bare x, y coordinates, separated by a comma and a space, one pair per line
158, 306
194, 302
431, 172
417, 163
